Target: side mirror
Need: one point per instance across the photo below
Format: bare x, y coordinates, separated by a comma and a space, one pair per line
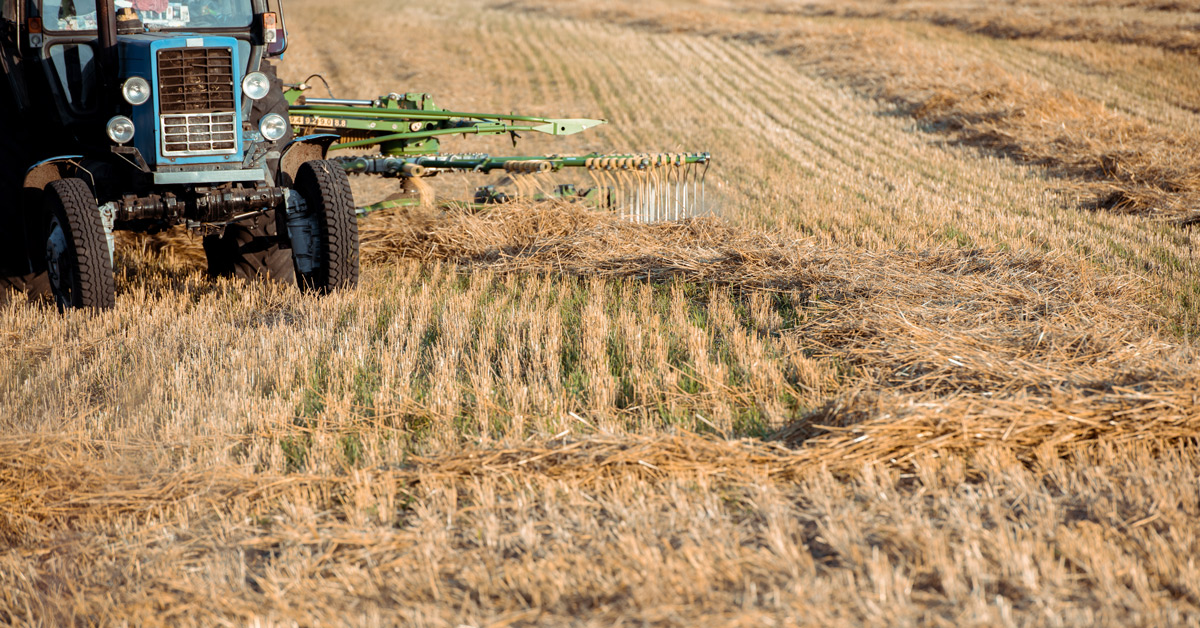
274, 34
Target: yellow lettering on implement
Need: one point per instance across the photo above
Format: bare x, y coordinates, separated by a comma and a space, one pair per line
332, 123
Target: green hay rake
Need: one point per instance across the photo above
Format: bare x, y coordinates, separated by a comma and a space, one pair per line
406, 131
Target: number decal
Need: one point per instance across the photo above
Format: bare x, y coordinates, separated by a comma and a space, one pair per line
321, 122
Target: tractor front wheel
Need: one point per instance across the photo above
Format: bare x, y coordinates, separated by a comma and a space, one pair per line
77, 254
324, 228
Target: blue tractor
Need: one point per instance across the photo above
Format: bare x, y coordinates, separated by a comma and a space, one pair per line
144, 115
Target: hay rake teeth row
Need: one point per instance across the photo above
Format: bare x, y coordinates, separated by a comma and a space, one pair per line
643, 188
407, 129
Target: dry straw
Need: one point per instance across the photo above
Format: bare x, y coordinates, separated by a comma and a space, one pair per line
673, 530
567, 239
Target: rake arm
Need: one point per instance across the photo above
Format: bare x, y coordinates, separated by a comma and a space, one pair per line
410, 124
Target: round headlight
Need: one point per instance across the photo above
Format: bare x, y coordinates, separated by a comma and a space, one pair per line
120, 129
136, 90
256, 85
273, 126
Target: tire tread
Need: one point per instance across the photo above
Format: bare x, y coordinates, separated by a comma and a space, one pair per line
94, 271
329, 187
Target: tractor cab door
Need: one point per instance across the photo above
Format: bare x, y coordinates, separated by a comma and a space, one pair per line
70, 57
73, 66
14, 261
13, 95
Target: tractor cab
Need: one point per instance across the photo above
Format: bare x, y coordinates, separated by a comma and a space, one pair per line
159, 113
70, 45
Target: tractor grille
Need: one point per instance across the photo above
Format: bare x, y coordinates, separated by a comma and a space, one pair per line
196, 101
194, 80
199, 134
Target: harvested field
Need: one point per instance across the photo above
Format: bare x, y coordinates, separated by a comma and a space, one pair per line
928, 363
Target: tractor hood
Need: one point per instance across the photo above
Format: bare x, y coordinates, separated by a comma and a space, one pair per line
194, 111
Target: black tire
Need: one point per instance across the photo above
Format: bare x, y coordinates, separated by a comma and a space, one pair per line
251, 249
81, 272
329, 202
13, 260
16, 273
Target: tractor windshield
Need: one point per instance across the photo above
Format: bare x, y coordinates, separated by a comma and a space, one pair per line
80, 15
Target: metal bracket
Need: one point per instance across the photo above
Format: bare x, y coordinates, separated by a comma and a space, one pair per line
133, 157
304, 231
108, 218
193, 177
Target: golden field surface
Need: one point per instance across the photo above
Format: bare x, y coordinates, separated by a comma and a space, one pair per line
929, 362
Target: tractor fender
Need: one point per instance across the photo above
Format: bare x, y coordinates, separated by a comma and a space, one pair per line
43, 172
300, 151
25, 231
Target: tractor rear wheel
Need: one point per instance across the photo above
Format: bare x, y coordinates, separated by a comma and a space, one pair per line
77, 254
13, 261
250, 249
16, 272
329, 215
